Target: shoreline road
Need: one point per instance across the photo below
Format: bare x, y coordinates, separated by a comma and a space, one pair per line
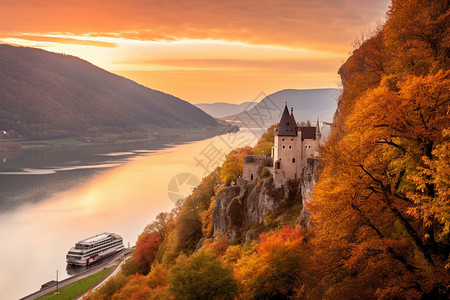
110, 275
115, 259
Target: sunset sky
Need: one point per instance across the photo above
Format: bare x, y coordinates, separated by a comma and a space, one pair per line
200, 50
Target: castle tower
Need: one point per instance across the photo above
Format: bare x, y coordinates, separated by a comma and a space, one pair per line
286, 152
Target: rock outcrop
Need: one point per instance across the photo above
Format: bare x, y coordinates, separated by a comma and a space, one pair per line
243, 204
308, 180
241, 207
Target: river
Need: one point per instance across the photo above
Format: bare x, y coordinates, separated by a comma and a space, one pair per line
66, 200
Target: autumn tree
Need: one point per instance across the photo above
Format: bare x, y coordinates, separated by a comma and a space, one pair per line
146, 249
201, 276
160, 224
231, 169
417, 35
110, 288
274, 270
189, 219
136, 288
380, 208
265, 143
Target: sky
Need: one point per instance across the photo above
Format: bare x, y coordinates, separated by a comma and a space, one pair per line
200, 50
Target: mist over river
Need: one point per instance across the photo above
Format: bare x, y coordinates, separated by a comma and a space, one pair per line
49, 201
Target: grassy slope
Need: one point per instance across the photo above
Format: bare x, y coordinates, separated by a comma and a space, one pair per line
77, 288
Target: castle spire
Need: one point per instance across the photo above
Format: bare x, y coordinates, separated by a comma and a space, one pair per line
293, 119
318, 134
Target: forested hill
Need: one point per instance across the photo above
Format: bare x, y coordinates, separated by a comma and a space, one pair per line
45, 95
380, 211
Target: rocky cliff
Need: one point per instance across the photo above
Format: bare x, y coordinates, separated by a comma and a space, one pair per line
308, 180
241, 210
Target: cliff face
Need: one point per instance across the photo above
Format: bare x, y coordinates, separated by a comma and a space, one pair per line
242, 207
308, 180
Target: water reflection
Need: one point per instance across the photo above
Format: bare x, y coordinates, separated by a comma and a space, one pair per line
74, 270
36, 237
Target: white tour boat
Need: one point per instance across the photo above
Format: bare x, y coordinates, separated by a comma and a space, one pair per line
94, 248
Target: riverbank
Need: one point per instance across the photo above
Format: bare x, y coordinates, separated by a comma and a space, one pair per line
82, 282
155, 134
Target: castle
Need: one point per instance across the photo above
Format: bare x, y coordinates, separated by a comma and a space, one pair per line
293, 144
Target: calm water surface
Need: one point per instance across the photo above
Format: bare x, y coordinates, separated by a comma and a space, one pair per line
62, 203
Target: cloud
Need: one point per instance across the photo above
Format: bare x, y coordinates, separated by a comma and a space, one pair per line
294, 65
61, 40
327, 24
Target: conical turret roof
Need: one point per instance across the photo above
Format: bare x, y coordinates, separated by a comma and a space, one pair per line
287, 126
318, 128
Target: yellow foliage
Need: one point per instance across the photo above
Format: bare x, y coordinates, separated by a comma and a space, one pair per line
231, 169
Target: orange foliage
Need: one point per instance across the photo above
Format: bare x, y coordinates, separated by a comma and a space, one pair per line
380, 212
231, 169
146, 249
220, 245
274, 241
274, 270
136, 288
380, 208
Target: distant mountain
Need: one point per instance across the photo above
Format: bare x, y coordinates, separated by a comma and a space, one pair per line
307, 105
222, 109
48, 95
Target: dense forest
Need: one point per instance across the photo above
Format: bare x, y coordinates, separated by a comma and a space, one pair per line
48, 95
380, 210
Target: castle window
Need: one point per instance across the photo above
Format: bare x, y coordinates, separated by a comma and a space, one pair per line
293, 160
251, 176
290, 147
309, 146
306, 146
277, 165
292, 140
284, 147
282, 140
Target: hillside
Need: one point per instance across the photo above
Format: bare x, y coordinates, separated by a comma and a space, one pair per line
380, 222
307, 104
49, 95
222, 109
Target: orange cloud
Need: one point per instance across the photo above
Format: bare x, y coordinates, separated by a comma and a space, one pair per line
294, 65
327, 24
61, 40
